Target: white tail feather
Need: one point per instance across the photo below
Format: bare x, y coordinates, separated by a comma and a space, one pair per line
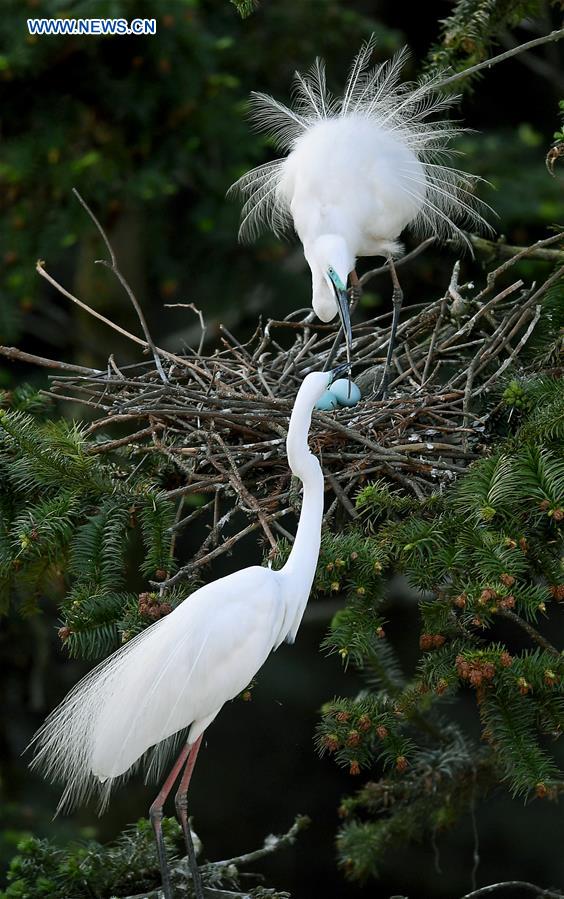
65, 746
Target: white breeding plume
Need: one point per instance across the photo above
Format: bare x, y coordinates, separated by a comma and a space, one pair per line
169, 683
359, 170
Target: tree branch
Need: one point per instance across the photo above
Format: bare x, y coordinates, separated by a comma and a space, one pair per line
113, 267
493, 61
514, 884
530, 630
215, 871
12, 353
494, 250
40, 268
420, 248
272, 844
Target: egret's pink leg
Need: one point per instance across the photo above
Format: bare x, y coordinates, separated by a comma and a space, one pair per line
156, 816
181, 803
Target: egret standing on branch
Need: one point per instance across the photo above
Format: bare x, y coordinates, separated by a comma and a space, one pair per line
168, 684
359, 170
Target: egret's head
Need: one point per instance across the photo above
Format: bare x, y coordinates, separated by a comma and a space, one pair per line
332, 259
316, 383
313, 386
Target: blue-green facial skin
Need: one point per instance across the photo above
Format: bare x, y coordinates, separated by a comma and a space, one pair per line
336, 280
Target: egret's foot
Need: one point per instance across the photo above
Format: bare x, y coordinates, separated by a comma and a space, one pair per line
181, 803
156, 816
381, 391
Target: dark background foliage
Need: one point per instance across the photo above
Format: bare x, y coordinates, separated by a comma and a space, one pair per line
152, 131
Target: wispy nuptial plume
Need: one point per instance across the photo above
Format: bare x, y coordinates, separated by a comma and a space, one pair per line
404, 130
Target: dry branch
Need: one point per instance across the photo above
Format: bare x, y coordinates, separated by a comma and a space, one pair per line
220, 416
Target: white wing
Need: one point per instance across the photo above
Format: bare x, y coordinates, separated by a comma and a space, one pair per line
177, 673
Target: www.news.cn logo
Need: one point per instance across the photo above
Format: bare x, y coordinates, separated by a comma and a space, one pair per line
91, 26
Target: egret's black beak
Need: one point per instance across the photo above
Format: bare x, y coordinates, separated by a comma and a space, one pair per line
343, 303
342, 298
340, 369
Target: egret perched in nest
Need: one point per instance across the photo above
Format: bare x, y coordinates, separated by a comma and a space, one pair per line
359, 170
168, 684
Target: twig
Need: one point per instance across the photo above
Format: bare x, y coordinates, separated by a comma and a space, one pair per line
40, 268
218, 551
535, 63
468, 397
113, 267
420, 248
511, 358
469, 325
514, 884
434, 335
495, 249
530, 630
339, 492
242, 490
200, 316
12, 353
109, 445
501, 57
271, 844
494, 275
214, 870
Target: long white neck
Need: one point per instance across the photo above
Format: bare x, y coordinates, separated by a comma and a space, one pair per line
299, 571
302, 561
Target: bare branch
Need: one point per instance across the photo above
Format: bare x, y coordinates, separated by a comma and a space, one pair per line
495, 250
213, 870
113, 267
40, 268
12, 353
514, 885
501, 57
530, 630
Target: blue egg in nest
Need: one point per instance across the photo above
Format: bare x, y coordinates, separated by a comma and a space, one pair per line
346, 392
326, 401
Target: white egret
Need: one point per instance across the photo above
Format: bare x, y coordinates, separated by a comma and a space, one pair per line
359, 170
169, 683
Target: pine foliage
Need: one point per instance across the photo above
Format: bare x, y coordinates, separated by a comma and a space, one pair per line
89, 870
469, 33
129, 867
74, 524
485, 560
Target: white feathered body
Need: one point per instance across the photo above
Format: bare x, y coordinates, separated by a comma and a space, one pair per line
359, 169
176, 674
170, 682
202, 654
349, 176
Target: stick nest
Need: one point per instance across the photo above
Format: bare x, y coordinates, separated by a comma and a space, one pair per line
221, 417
